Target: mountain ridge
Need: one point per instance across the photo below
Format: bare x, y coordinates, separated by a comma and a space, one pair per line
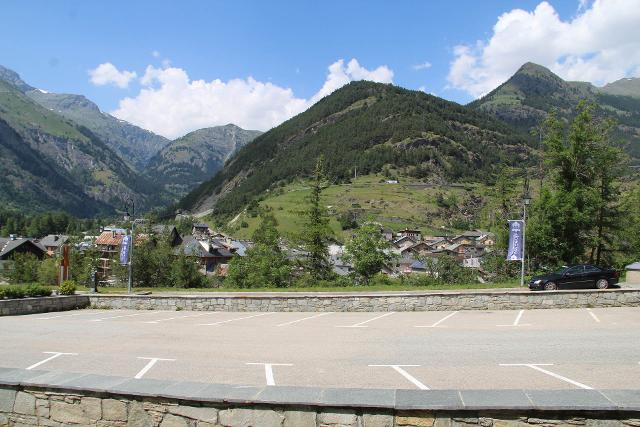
365, 125
195, 157
524, 100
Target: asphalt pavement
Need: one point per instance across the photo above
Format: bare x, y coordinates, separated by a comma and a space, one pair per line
595, 348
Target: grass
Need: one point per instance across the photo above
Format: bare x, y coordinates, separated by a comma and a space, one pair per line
372, 288
395, 206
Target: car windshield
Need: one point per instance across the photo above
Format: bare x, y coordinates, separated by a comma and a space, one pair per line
563, 270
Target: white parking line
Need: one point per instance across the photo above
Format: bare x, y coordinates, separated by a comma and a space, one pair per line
268, 370
179, 317
116, 317
360, 325
517, 321
537, 367
55, 354
233, 320
593, 315
398, 368
152, 361
304, 318
435, 325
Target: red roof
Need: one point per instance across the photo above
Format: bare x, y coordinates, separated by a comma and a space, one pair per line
108, 238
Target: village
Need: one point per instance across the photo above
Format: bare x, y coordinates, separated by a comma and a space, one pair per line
212, 250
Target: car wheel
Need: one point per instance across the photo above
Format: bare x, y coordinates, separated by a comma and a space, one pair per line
550, 286
602, 284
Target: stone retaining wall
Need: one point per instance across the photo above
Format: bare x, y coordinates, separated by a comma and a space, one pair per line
92, 400
11, 307
428, 301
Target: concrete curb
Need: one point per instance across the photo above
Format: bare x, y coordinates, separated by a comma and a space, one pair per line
423, 400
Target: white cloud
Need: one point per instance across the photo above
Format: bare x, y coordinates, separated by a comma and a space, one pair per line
424, 66
600, 44
107, 73
171, 104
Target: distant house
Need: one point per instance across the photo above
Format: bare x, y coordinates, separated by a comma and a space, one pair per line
419, 248
209, 256
387, 233
9, 246
416, 235
488, 239
53, 243
108, 245
403, 243
201, 231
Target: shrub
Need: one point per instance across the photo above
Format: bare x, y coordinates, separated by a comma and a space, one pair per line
25, 268
37, 291
48, 271
1, 293
67, 288
14, 292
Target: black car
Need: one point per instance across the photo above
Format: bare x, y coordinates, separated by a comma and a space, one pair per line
575, 277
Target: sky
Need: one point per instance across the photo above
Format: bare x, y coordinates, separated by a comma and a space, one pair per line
174, 67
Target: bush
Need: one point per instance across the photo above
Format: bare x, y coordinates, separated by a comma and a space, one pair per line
25, 268
2, 293
48, 271
37, 291
14, 292
67, 288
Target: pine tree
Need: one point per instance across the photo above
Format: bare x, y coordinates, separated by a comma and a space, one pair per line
317, 234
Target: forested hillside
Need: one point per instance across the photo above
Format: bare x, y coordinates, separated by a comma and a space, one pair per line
367, 127
188, 161
524, 100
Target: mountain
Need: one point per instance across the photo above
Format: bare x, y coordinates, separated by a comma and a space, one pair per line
524, 100
133, 144
624, 87
188, 161
50, 162
368, 127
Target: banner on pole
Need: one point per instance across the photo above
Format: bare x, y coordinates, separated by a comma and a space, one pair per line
124, 251
514, 253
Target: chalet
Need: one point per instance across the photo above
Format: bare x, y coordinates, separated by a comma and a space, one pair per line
201, 231
208, 255
488, 239
108, 245
416, 235
438, 243
419, 248
403, 243
387, 233
53, 243
9, 246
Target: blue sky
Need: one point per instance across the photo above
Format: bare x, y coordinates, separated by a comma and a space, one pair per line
290, 44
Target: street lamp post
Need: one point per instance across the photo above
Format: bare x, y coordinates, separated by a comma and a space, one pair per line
526, 201
133, 223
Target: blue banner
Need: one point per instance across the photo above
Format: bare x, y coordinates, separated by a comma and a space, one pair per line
124, 251
514, 253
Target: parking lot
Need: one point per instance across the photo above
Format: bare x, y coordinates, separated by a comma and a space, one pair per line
535, 349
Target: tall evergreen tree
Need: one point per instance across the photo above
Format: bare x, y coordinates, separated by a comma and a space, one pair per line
577, 208
316, 233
